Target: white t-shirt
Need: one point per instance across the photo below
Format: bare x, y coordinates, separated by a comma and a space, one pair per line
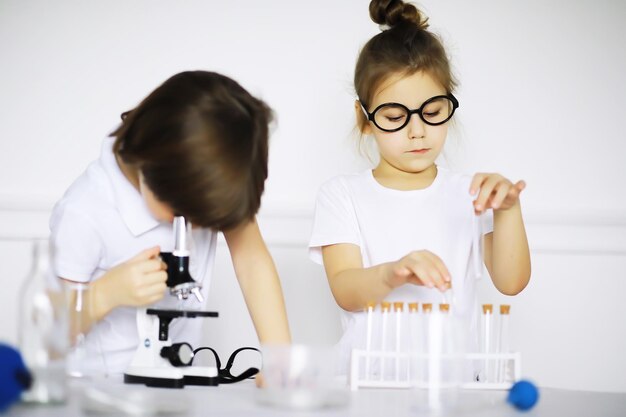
387, 224
102, 221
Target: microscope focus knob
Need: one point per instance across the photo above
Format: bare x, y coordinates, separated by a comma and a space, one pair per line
179, 354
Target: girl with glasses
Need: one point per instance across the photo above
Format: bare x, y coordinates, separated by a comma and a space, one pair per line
407, 229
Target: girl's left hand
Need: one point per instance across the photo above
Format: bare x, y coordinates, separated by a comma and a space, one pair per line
496, 192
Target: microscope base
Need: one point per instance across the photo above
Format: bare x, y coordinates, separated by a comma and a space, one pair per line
155, 382
172, 377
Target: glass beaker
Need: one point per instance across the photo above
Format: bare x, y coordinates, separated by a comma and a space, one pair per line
78, 306
300, 377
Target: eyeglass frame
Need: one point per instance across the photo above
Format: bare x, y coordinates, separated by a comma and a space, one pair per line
224, 374
372, 116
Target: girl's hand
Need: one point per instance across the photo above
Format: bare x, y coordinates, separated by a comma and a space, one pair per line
496, 192
259, 381
137, 282
419, 268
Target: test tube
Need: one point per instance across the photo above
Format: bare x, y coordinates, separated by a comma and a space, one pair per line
412, 347
434, 353
425, 356
447, 296
413, 326
477, 249
398, 307
503, 342
444, 311
368, 337
486, 341
384, 307
448, 362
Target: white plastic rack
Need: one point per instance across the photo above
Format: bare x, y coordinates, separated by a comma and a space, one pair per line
379, 369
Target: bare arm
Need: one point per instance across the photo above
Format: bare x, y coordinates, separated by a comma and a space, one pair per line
354, 286
507, 255
259, 283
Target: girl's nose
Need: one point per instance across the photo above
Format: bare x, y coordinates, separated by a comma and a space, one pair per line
417, 127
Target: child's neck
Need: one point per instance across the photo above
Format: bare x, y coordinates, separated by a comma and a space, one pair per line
396, 179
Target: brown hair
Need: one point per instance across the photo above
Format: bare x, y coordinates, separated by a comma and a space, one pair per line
405, 46
201, 142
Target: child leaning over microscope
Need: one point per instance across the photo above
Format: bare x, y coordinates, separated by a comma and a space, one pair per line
196, 146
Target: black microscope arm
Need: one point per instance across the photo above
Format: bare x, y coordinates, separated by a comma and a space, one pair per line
166, 317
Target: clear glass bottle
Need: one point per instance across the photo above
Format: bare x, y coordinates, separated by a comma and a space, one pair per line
43, 330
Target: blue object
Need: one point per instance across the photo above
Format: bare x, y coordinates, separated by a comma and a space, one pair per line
14, 377
523, 395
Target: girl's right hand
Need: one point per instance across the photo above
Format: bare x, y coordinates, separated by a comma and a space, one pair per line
420, 268
137, 282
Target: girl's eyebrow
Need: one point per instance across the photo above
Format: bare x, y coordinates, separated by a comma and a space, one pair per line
409, 107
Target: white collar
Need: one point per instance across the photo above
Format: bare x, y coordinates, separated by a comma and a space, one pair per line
128, 200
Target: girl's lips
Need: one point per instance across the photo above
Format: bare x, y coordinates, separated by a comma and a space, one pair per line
419, 150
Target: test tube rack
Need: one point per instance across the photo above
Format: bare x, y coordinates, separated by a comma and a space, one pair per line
507, 370
401, 361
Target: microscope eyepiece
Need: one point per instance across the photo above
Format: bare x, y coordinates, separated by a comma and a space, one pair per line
181, 247
179, 279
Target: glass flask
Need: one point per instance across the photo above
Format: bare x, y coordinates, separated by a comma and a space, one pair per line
43, 329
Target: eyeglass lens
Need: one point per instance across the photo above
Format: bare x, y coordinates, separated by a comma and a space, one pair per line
245, 359
394, 116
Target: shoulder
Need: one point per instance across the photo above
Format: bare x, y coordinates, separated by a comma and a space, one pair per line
86, 198
455, 182
345, 183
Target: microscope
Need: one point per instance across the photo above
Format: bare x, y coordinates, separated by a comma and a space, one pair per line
157, 361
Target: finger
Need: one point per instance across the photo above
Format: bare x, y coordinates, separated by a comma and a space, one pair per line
418, 273
156, 277
421, 264
477, 180
438, 278
513, 193
502, 191
151, 293
146, 254
428, 274
151, 265
402, 271
440, 266
520, 185
156, 297
142, 282
485, 192
155, 289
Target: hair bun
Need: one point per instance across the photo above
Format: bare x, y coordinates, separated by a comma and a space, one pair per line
391, 13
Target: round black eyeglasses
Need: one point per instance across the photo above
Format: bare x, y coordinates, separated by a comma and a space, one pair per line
224, 374
391, 117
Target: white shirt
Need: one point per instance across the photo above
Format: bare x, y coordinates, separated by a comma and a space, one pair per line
387, 224
102, 221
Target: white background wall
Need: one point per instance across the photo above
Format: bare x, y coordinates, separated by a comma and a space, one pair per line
542, 98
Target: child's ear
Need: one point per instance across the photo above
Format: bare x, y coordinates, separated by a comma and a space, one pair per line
361, 120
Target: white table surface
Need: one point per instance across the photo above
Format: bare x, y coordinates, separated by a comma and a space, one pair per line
242, 399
